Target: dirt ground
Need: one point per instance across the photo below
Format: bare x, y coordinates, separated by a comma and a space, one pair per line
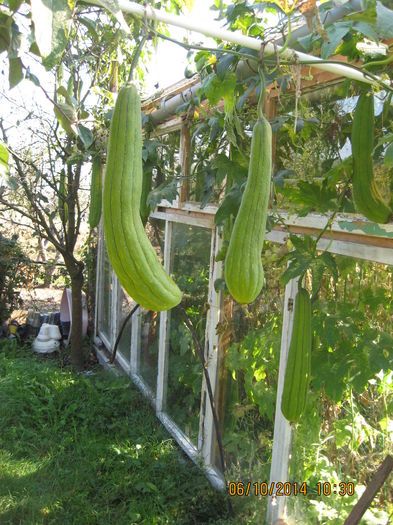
42, 300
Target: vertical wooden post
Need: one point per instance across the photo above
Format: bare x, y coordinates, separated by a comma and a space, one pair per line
206, 441
225, 339
98, 297
185, 161
282, 428
162, 375
114, 309
135, 341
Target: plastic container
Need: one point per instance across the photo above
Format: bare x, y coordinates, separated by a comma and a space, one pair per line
45, 347
43, 334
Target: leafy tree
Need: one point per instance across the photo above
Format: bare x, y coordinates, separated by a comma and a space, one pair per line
86, 58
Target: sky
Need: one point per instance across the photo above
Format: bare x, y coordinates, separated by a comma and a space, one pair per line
169, 61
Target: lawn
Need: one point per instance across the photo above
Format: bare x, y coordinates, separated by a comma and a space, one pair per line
89, 450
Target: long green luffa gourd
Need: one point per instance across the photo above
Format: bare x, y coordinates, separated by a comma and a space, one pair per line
132, 257
297, 373
243, 265
366, 195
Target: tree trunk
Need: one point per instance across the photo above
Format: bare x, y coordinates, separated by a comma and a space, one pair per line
77, 359
75, 269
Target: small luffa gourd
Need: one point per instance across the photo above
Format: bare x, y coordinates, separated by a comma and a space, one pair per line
297, 373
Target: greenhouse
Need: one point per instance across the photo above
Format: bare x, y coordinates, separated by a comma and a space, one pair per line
242, 272
155, 349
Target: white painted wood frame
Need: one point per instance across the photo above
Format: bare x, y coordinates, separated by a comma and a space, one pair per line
98, 278
135, 342
207, 432
163, 346
282, 428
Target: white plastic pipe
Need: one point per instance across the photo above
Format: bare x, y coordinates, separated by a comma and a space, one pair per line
215, 31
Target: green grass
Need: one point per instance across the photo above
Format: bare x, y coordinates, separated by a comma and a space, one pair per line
89, 450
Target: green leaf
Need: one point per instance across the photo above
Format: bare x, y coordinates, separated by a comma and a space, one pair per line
219, 284
113, 7
330, 263
303, 244
311, 196
12, 183
15, 74
166, 191
339, 173
77, 157
373, 297
306, 42
335, 33
51, 20
296, 267
386, 425
384, 21
15, 41
216, 89
228, 168
66, 117
388, 137
68, 98
241, 100
5, 36
15, 4
4, 156
208, 187
32, 78
224, 64
317, 273
86, 135
229, 205
366, 29
343, 432
90, 26
388, 159
278, 122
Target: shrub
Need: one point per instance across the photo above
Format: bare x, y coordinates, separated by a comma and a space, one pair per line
13, 275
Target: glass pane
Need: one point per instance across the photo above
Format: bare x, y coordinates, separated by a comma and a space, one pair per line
161, 167
190, 267
248, 373
106, 295
312, 165
150, 321
148, 359
210, 167
125, 306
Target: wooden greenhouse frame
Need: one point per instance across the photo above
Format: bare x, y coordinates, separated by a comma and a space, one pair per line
350, 235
